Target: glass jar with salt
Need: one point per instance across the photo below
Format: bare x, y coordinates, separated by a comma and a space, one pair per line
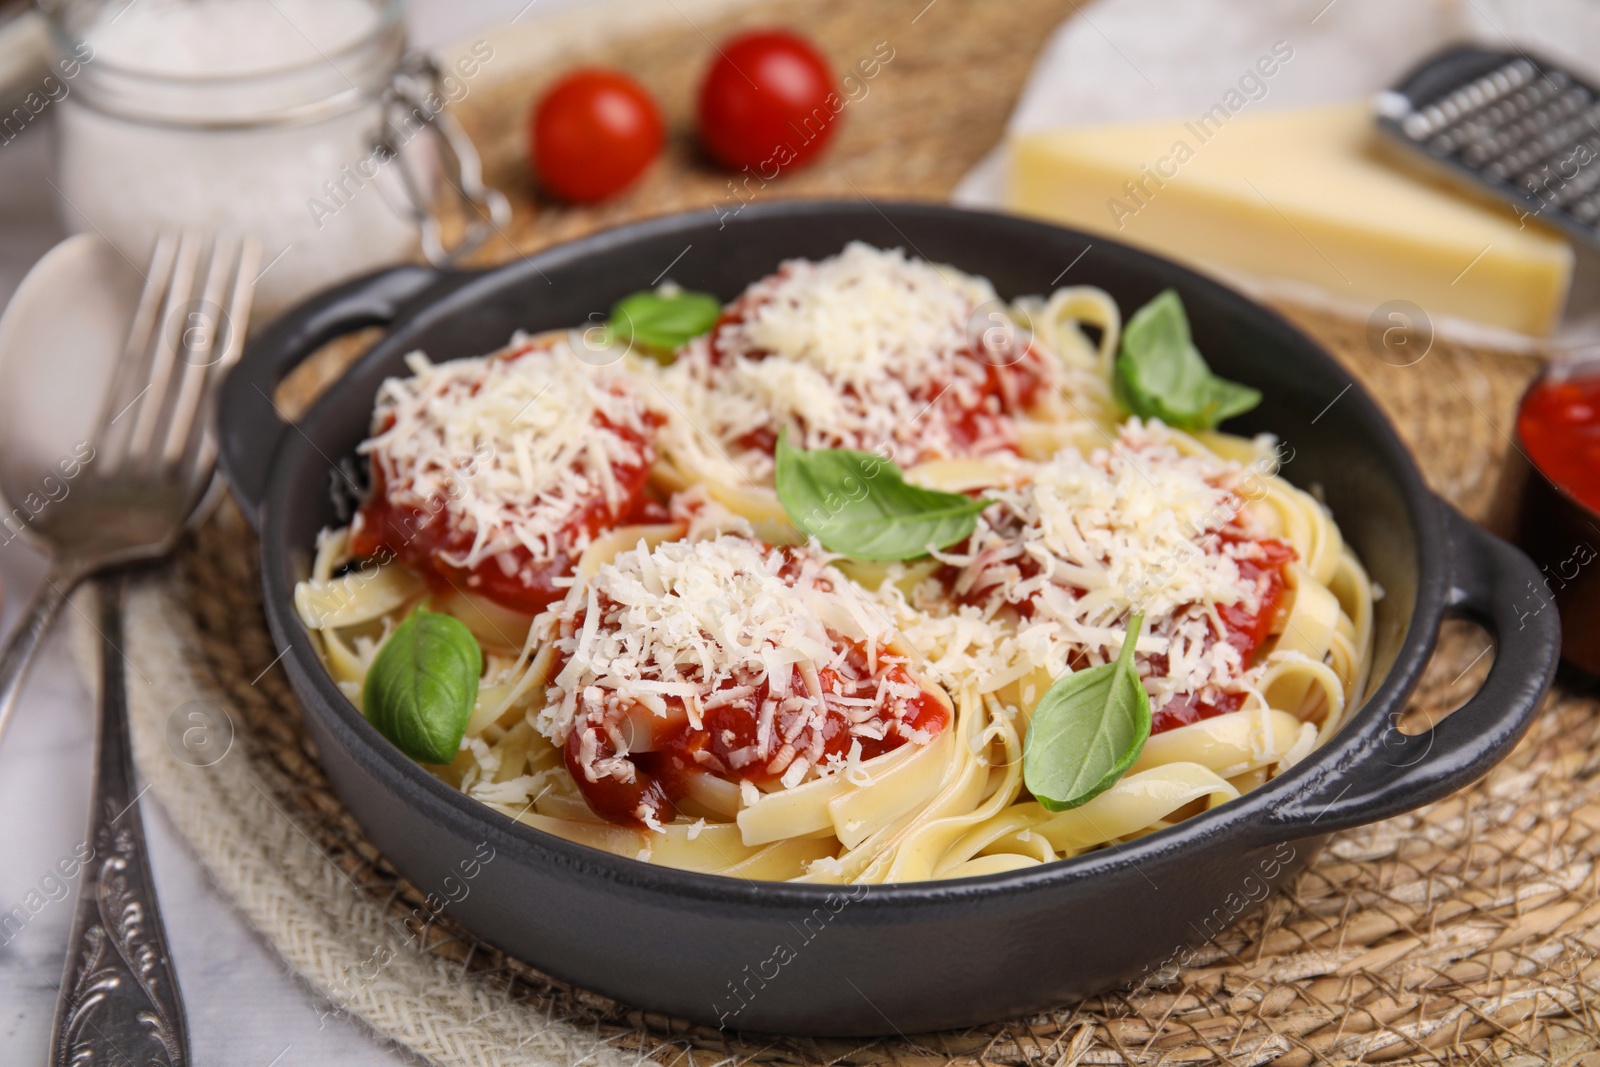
272, 118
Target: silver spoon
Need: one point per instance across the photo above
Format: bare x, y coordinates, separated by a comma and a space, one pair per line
64, 327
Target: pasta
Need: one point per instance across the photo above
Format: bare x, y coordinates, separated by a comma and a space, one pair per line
673, 671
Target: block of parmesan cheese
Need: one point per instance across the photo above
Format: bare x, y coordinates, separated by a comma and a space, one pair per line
1306, 195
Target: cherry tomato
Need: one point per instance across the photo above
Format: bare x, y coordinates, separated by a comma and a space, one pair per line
594, 132
767, 103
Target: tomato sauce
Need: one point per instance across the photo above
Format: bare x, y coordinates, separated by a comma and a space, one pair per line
420, 537
675, 750
1245, 630
1560, 429
1007, 390
1003, 388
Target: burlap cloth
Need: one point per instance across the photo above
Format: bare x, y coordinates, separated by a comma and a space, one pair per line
1465, 933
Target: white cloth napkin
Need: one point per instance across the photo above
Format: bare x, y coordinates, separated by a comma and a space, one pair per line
1128, 60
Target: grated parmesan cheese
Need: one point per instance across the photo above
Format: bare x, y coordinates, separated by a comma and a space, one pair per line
869, 350
517, 447
1056, 567
776, 637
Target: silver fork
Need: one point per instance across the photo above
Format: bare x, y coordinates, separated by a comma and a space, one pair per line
150, 472
153, 454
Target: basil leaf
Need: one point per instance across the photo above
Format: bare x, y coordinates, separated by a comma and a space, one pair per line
1160, 374
1086, 732
423, 684
859, 505
663, 322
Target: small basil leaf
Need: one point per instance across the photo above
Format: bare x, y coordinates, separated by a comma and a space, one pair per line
1160, 374
423, 684
1230, 398
859, 505
1086, 732
663, 322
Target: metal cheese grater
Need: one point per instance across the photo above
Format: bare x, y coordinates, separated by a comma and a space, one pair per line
1508, 124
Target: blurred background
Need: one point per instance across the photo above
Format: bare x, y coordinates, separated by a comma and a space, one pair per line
30, 210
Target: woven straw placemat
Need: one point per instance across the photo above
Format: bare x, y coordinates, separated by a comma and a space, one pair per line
1464, 933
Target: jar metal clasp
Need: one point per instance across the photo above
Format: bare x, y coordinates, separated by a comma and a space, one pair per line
413, 101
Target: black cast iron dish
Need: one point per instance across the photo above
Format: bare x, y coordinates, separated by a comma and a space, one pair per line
915, 957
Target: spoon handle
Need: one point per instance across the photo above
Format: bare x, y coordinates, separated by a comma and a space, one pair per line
59, 582
119, 999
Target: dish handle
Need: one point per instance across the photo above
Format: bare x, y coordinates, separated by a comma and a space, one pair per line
1383, 772
250, 426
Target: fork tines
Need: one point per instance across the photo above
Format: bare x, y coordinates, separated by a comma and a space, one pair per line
184, 335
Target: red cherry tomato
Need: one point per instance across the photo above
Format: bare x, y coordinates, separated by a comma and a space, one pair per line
594, 132
767, 103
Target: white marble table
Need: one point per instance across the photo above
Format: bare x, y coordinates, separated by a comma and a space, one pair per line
245, 1009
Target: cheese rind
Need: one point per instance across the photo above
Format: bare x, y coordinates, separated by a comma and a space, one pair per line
1305, 195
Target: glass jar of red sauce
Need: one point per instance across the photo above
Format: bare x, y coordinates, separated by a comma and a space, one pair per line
1558, 514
